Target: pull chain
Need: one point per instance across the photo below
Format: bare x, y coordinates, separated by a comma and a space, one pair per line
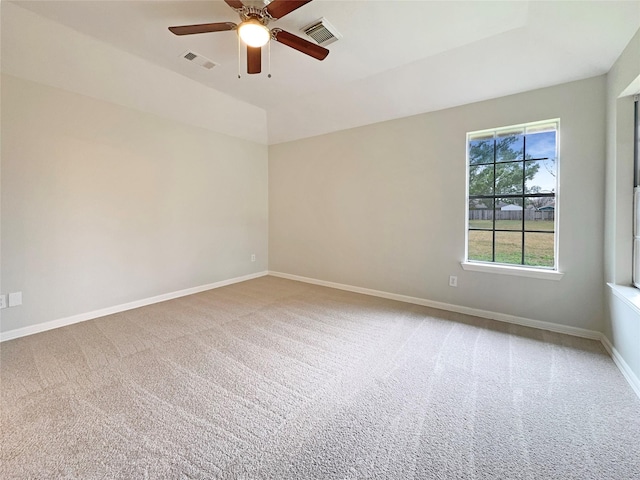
239, 54
269, 58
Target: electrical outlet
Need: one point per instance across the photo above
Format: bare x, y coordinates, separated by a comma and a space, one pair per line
453, 281
3, 301
253, 257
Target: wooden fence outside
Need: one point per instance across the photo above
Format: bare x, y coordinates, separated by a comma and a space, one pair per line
529, 214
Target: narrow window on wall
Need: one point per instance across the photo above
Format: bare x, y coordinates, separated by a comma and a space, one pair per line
636, 192
512, 195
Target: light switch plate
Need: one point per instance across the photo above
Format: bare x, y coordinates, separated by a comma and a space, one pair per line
15, 299
3, 301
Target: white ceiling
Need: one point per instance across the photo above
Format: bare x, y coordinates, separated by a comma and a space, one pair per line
396, 58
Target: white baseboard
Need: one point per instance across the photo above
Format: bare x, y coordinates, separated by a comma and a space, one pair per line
502, 317
63, 322
631, 377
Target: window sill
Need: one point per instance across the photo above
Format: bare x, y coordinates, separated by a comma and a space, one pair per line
512, 270
629, 295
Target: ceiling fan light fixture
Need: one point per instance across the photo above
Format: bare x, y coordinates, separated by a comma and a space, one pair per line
254, 33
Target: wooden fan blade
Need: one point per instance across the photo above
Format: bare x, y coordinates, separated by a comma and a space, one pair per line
202, 28
280, 8
234, 3
300, 44
254, 59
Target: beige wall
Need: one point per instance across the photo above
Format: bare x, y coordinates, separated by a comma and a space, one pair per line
383, 207
103, 204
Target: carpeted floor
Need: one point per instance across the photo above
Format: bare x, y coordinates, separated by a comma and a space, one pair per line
275, 379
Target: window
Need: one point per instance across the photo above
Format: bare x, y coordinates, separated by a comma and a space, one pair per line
636, 191
511, 195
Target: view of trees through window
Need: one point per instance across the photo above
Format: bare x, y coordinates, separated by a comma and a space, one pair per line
512, 195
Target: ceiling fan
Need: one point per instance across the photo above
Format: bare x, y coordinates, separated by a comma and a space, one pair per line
255, 33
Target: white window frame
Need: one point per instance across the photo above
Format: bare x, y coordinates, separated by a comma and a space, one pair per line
548, 273
636, 193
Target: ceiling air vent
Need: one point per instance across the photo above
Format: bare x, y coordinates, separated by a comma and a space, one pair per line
322, 32
199, 59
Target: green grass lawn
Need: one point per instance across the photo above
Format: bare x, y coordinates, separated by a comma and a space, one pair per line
544, 225
538, 247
